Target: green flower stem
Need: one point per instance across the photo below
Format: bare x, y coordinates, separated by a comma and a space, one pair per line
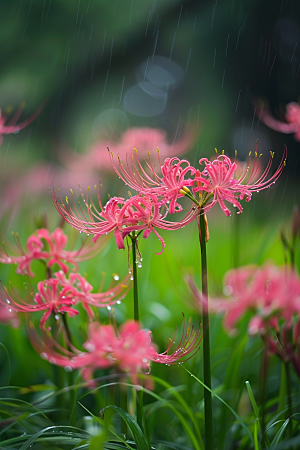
135, 282
123, 404
71, 378
209, 437
236, 241
139, 403
263, 392
289, 395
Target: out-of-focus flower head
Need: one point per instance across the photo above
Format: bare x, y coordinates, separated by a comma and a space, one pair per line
271, 293
130, 349
12, 126
49, 247
292, 116
145, 139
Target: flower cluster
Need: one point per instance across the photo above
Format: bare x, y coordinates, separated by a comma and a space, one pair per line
60, 294
50, 248
158, 195
61, 291
131, 349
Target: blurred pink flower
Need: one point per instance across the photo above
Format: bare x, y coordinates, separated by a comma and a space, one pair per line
292, 116
144, 139
49, 247
130, 349
12, 126
271, 293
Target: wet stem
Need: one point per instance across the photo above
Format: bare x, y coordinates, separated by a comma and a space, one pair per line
135, 282
139, 402
206, 345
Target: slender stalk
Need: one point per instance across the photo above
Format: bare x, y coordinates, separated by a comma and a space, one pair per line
289, 395
71, 377
135, 282
236, 241
139, 402
123, 404
209, 437
263, 392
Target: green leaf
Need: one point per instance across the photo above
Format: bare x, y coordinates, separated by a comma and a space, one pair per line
221, 400
252, 399
137, 433
256, 443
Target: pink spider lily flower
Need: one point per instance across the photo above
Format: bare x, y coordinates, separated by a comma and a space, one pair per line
114, 216
49, 247
145, 139
49, 298
292, 116
219, 185
138, 213
131, 349
150, 217
12, 126
168, 186
80, 290
271, 293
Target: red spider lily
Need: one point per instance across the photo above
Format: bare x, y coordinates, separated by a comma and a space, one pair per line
80, 290
54, 254
167, 187
121, 216
216, 183
150, 216
49, 298
292, 116
130, 349
271, 293
59, 294
12, 126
